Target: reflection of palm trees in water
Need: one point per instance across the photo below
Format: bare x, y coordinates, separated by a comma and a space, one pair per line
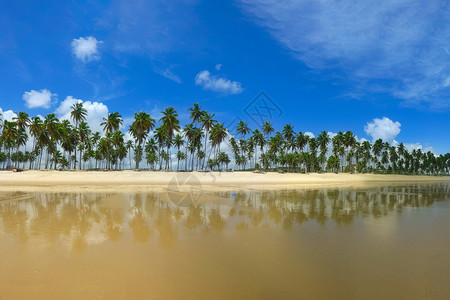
113, 225
166, 228
83, 219
194, 217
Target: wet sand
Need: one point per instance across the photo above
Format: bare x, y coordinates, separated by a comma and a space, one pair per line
146, 180
385, 242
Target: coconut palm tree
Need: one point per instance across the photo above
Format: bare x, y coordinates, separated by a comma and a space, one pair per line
52, 127
349, 140
151, 159
129, 146
196, 113
171, 123
112, 122
139, 129
288, 132
243, 129
9, 134
178, 142
22, 121
267, 129
218, 134
284, 148
333, 163
84, 133
78, 114
259, 140
180, 156
301, 140
188, 132
207, 122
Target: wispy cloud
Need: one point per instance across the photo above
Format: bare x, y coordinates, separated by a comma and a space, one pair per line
167, 72
217, 84
86, 49
404, 45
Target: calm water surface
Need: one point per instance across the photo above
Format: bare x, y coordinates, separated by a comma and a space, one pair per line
384, 242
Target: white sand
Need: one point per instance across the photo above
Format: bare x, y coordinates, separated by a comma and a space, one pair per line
146, 180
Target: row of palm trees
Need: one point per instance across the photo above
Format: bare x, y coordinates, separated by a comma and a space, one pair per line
197, 146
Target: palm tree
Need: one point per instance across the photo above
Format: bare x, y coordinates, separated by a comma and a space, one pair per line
83, 132
140, 128
180, 156
243, 129
178, 142
288, 132
333, 163
21, 140
284, 148
112, 123
35, 128
170, 125
259, 140
121, 153
207, 123
129, 146
188, 132
196, 113
22, 121
301, 140
151, 158
218, 134
78, 114
10, 134
267, 129
52, 127
349, 140
323, 140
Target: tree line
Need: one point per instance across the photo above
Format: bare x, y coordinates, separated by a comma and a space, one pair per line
60, 144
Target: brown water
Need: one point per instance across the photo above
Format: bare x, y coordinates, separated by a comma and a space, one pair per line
386, 242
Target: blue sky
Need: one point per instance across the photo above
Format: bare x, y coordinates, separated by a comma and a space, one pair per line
378, 68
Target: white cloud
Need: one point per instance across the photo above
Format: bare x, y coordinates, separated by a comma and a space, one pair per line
42, 98
384, 129
310, 134
403, 41
218, 67
411, 147
8, 115
428, 149
418, 146
86, 49
217, 84
96, 111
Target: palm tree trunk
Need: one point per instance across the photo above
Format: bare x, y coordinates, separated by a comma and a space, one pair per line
168, 157
137, 159
80, 159
185, 159
206, 141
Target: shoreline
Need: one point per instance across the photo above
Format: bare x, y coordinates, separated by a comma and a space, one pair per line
140, 181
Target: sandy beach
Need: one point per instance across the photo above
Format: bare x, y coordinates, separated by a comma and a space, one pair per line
145, 180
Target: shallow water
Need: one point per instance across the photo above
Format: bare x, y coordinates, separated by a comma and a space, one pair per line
384, 242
